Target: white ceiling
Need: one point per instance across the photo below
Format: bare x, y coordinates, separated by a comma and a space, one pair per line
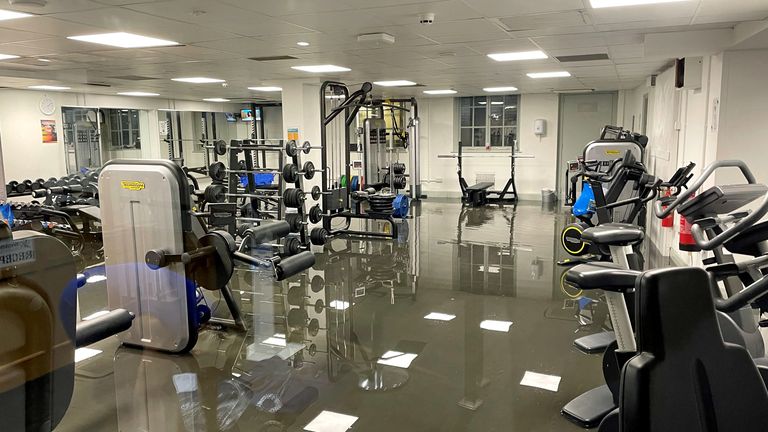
219, 36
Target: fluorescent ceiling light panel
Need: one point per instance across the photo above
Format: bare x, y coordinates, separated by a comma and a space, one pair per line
339, 305
499, 89
394, 83
302, 43
44, 60
85, 353
96, 278
49, 87
123, 40
216, 100
437, 316
559, 74
542, 381
8, 56
329, 421
138, 93
266, 89
321, 68
522, 55
198, 80
8, 15
497, 103
597, 4
493, 325
397, 359
439, 92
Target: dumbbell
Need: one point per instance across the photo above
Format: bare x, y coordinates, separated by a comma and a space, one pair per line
50, 182
292, 148
10, 187
291, 172
296, 222
294, 197
318, 236
316, 192
24, 187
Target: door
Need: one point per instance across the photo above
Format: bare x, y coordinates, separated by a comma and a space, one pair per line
582, 116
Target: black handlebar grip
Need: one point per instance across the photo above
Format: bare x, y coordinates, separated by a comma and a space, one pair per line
100, 328
294, 264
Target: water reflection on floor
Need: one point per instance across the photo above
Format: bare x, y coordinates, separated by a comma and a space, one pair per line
350, 337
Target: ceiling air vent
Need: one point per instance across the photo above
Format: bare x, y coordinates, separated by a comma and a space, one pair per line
582, 57
273, 58
98, 84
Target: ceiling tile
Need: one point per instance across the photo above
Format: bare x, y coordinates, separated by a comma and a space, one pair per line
508, 8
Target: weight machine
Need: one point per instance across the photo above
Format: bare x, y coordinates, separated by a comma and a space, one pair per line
340, 200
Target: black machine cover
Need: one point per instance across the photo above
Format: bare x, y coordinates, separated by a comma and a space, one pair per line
684, 377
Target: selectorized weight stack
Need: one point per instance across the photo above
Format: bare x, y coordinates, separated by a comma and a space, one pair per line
343, 191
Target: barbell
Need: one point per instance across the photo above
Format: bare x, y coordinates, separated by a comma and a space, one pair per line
292, 148
296, 221
291, 172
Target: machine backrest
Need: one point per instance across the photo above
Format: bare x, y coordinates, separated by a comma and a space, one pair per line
37, 317
684, 377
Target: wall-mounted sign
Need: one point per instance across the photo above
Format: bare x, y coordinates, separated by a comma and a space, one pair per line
48, 128
293, 134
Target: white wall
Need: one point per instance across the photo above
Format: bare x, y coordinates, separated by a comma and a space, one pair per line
273, 122
744, 112
24, 154
438, 136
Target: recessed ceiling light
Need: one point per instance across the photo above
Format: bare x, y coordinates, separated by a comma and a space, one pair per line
123, 40
266, 89
138, 93
616, 3
499, 89
497, 103
7, 15
8, 56
198, 80
494, 325
522, 55
439, 92
49, 87
394, 83
44, 60
560, 74
302, 43
216, 100
321, 68
437, 316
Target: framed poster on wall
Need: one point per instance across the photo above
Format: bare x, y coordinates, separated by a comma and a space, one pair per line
48, 128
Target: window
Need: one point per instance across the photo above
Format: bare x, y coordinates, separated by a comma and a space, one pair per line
123, 128
488, 120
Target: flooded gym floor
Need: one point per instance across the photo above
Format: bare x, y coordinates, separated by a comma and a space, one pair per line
435, 332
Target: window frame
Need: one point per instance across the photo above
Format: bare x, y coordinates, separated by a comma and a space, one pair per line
476, 104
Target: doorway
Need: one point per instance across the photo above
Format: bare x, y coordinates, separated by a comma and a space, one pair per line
582, 116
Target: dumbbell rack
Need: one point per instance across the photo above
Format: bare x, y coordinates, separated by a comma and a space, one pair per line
301, 209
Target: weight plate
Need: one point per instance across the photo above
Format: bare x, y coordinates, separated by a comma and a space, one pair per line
309, 170
316, 192
220, 147
291, 148
315, 214
343, 181
306, 147
217, 171
290, 173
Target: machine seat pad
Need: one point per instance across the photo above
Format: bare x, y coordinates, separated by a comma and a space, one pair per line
613, 234
745, 243
605, 276
480, 186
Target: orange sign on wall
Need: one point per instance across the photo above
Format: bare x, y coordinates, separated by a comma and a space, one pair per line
293, 134
48, 128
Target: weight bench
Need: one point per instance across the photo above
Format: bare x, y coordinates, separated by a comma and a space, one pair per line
477, 194
158, 254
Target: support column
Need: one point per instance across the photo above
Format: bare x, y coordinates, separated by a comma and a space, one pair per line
301, 116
